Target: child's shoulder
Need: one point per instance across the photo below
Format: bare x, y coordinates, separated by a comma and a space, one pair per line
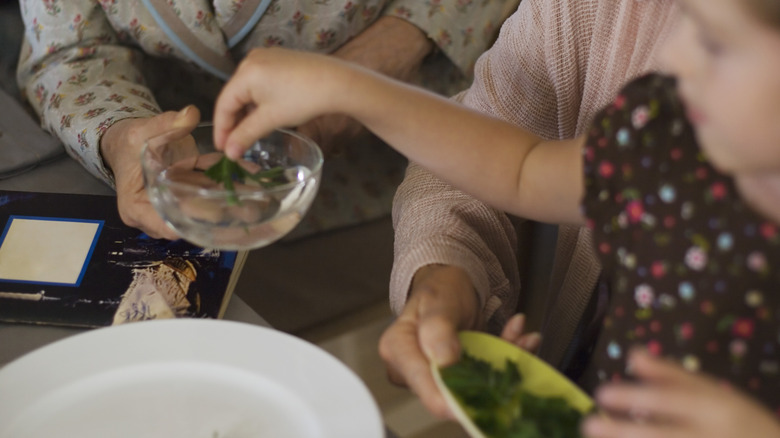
644, 104
651, 86
645, 123
636, 146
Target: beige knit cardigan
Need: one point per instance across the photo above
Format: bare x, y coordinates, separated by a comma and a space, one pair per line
554, 65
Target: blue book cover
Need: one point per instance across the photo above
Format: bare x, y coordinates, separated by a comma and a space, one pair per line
68, 259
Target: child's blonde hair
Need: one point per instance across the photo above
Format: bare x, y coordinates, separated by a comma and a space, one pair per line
767, 11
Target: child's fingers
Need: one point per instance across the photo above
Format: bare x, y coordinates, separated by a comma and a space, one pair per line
645, 366
230, 108
653, 369
601, 426
658, 393
250, 128
644, 402
664, 395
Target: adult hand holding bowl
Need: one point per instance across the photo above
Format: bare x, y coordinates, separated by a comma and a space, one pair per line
232, 205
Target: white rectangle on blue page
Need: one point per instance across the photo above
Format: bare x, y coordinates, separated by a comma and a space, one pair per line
47, 250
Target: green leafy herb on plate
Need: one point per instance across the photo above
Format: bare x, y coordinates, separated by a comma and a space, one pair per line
495, 402
228, 172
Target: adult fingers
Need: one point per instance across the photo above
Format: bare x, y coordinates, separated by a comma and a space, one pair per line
132, 200
407, 364
530, 342
185, 119
447, 303
438, 327
514, 332
514, 328
123, 141
442, 301
176, 125
140, 214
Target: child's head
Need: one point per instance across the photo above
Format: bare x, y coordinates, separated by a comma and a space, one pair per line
726, 55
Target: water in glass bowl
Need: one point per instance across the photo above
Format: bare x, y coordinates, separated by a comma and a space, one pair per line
255, 219
252, 214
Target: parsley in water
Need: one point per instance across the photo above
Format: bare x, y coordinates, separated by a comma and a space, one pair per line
494, 401
228, 172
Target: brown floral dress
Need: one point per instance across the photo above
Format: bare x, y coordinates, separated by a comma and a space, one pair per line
691, 268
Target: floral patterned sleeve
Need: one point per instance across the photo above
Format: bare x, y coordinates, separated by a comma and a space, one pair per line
77, 76
462, 29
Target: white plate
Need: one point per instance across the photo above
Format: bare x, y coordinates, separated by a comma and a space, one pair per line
184, 378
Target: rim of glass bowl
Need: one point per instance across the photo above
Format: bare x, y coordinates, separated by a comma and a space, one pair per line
221, 193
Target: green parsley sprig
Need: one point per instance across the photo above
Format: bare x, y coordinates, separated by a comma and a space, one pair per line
496, 403
228, 172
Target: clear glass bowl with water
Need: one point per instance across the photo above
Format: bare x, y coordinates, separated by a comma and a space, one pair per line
202, 211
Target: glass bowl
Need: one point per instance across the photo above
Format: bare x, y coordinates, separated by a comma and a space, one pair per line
251, 215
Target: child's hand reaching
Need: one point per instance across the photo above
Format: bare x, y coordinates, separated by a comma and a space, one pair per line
672, 402
275, 88
495, 161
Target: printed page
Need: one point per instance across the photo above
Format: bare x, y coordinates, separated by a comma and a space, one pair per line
47, 250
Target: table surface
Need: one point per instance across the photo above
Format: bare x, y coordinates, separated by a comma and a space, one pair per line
65, 175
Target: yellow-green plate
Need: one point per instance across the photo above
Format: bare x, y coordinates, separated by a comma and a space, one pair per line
539, 378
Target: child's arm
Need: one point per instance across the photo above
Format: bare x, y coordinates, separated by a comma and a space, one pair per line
495, 161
